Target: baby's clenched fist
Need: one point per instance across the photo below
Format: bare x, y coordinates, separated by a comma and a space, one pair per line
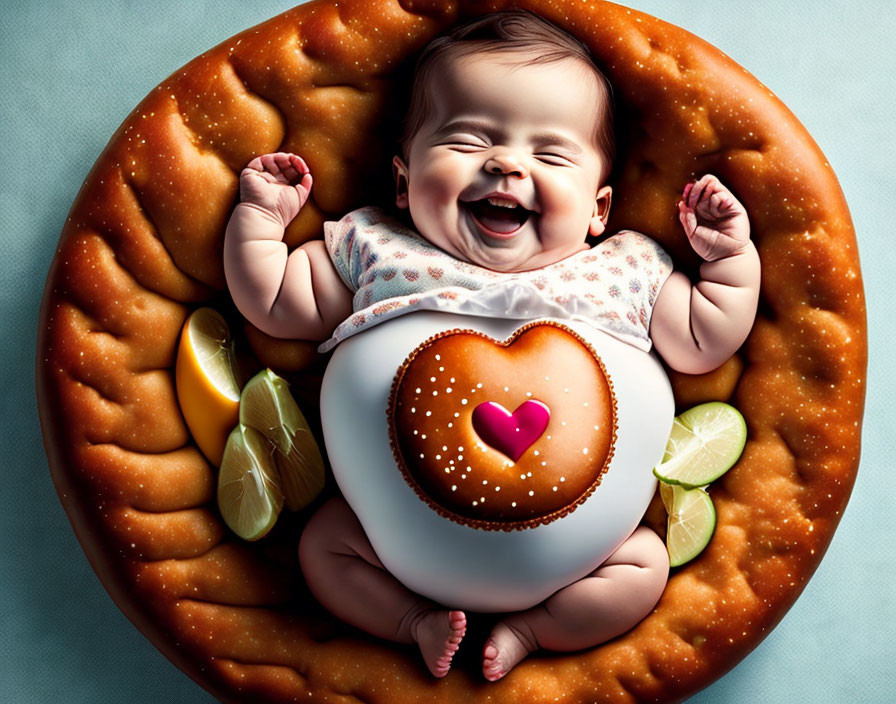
713, 219
277, 183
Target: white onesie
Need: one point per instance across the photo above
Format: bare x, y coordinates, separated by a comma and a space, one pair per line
393, 271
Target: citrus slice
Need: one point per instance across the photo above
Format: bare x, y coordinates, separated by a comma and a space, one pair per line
249, 494
267, 406
207, 390
301, 471
705, 442
691, 523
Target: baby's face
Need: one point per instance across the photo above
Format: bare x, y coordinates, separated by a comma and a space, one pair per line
500, 134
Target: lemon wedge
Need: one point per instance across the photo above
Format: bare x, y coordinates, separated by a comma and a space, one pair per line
691, 523
207, 389
267, 406
249, 494
705, 442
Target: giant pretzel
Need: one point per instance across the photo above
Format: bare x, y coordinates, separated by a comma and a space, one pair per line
142, 248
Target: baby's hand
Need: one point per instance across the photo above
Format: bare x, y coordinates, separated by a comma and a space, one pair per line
278, 183
713, 219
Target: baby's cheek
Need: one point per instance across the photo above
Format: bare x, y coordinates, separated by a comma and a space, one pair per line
437, 174
430, 190
566, 212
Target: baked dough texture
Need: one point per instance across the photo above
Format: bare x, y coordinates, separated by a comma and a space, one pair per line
142, 248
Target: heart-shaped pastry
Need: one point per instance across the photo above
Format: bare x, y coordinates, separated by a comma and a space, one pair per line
480, 464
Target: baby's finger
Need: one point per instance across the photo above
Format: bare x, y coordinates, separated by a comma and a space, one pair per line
269, 164
299, 164
296, 171
711, 184
277, 156
255, 164
251, 174
303, 188
687, 218
303, 173
720, 203
732, 204
288, 170
696, 194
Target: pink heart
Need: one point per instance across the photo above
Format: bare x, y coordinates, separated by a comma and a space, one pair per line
511, 433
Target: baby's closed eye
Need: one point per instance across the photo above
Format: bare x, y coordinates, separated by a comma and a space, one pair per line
554, 159
465, 142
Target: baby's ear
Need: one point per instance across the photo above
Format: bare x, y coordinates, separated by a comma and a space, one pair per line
601, 211
400, 173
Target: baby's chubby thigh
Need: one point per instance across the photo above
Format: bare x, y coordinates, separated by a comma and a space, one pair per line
345, 575
602, 605
639, 569
332, 531
623, 590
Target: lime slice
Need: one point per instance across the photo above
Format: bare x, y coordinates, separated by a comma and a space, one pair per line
705, 442
301, 471
267, 406
692, 520
249, 494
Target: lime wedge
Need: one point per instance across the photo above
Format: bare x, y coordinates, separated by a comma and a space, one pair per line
705, 442
301, 471
692, 520
249, 494
267, 406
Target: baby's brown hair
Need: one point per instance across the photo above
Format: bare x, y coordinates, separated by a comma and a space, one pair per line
507, 32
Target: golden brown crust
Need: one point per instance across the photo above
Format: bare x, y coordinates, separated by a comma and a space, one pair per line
142, 248
437, 441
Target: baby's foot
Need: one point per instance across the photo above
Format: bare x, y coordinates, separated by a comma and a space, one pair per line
438, 633
505, 648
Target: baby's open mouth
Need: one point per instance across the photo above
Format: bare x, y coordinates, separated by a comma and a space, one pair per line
499, 215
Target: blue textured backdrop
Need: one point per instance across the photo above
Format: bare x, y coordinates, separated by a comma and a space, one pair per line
70, 74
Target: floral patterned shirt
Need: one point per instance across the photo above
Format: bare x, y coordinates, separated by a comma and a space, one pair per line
394, 271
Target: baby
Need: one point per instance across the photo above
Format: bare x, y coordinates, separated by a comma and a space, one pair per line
507, 149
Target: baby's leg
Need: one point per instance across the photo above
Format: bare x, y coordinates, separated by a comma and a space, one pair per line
346, 576
608, 602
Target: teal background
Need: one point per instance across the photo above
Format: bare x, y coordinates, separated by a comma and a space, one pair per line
70, 74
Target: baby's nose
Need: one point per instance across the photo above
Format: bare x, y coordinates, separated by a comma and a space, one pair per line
506, 163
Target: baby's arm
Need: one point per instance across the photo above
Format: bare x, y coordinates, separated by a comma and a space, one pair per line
293, 295
696, 328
